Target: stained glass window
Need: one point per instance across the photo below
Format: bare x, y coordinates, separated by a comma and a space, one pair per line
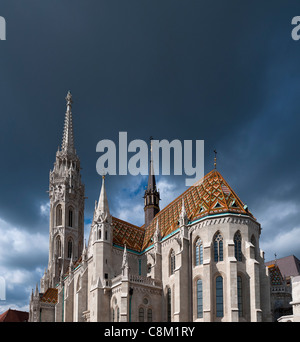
218, 247
199, 252
219, 297
199, 299
238, 246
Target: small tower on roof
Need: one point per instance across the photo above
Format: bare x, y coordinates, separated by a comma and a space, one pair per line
151, 197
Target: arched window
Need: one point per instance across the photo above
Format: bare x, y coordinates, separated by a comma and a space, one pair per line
149, 315
198, 252
141, 314
70, 248
199, 299
218, 247
58, 215
118, 314
169, 305
238, 246
240, 295
219, 297
70, 217
172, 261
58, 246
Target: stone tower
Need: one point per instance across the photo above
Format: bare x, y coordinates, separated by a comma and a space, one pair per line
151, 197
66, 193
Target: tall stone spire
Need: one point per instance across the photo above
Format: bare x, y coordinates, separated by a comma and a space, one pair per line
66, 194
102, 207
151, 196
68, 138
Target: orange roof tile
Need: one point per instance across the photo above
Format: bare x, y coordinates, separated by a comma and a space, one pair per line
211, 195
50, 296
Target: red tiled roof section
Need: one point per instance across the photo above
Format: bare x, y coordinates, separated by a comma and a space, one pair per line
127, 233
14, 316
50, 296
211, 195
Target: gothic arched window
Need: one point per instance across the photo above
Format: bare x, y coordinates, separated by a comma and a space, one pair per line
58, 246
199, 299
149, 315
70, 217
218, 247
172, 261
70, 248
219, 297
58, 214
141, 314
198, 252
238, 246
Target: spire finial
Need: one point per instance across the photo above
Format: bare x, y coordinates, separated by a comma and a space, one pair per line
215, 160
69, 98
68, 140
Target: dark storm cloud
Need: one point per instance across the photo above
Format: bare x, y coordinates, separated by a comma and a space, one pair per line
225, 72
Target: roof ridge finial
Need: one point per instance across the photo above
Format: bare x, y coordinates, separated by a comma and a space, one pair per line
215, 160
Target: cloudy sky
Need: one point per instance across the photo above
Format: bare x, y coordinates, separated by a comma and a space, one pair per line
226, 72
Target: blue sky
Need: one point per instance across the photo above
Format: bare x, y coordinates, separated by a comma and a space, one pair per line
223, 72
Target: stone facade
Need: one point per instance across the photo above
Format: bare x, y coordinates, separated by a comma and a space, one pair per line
204, 269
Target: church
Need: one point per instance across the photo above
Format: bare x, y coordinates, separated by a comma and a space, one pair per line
196, 260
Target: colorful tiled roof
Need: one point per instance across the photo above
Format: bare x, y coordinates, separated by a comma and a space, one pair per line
211, 195
288, 266
275, 275
127, 233
50, 296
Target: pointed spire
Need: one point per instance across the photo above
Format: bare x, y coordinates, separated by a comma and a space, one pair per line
183, 219
151, 196
102, 207
68, 139
36, 294
151, 178
71, 266
84, 254
61, 277
125, 258
157, 234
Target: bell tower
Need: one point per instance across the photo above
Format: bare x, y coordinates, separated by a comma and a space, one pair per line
66, 193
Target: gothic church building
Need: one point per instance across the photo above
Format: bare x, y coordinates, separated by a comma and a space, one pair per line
198, 259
